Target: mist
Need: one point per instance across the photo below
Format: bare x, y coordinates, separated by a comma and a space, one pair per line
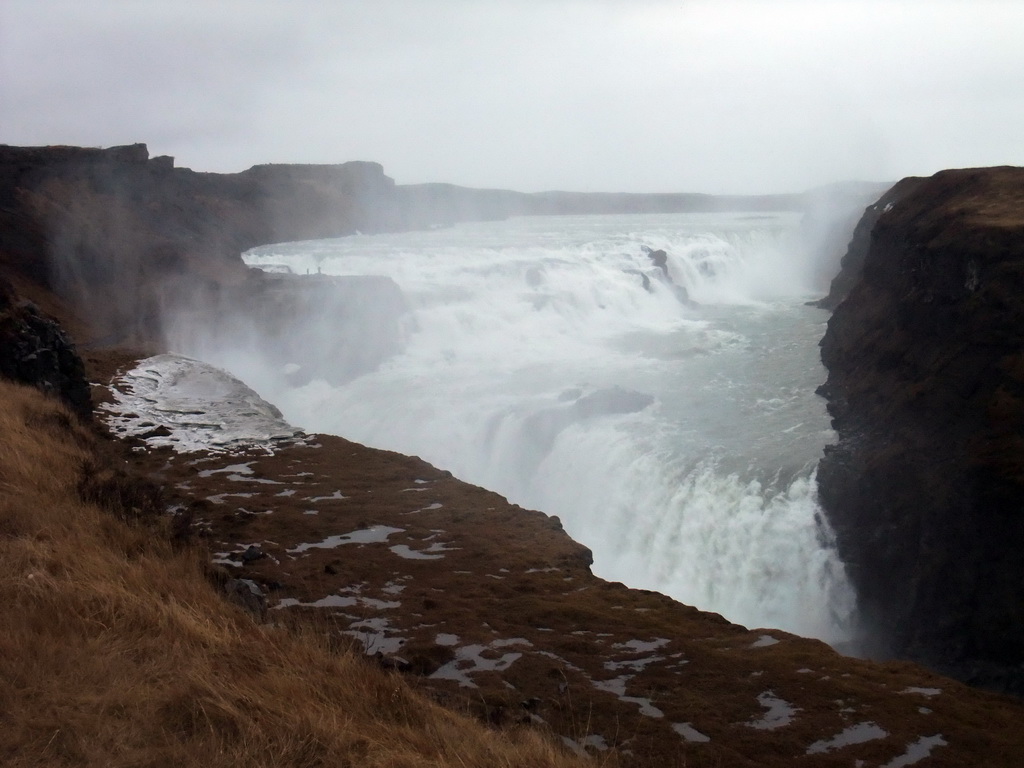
550, 358
719, 97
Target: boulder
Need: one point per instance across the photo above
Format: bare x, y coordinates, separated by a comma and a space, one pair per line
35, 350
246, 594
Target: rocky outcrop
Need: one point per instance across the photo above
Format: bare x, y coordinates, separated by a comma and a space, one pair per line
851, 266
35, 350
926, 390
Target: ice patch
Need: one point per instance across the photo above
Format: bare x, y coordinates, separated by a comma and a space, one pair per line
917, 751
198, 406
244, 479
433, 552
643, 646
779, 712
637, 665
617, 687
855, 734
372, 535
469, 660
336, 496
234, 469
331, 601
595, 741
435, 505
511, 641
764, 641
380, 605
923, 691
218, 498
373, 634
443, 638
689, 733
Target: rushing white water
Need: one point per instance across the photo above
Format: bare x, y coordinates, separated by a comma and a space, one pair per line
676, 439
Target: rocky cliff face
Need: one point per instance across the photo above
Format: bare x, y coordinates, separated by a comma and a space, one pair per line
141, 249
851, 266
926, 390
121, 235
35, 350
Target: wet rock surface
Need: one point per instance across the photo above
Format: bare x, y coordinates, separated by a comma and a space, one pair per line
926, 391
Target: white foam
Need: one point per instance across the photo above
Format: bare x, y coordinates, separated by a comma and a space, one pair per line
703, 488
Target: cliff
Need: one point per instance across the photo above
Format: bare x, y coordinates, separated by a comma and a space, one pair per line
338, 550
149, 253
926, 391
851, 265
124, 235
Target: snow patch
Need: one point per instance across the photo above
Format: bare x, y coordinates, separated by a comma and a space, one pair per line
195, 407
855, 734
779, 714
917, 751
923, 691
468, 660
690, 733
372, 535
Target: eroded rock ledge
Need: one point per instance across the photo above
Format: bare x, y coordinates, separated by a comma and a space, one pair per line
926, 390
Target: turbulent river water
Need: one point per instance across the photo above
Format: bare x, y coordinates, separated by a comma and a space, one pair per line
550, 359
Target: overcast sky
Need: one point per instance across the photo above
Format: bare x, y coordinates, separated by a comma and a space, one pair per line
589, 95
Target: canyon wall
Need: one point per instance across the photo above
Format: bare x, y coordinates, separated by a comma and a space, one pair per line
925, 386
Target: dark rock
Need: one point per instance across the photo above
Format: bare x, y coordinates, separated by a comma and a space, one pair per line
926, 391
659, 258
392, 663
253, 553
852, 264
35, 350
247, 594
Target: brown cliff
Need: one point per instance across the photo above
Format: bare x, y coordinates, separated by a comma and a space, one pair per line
926, 391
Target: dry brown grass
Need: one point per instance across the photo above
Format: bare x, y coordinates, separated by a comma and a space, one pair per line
116, 651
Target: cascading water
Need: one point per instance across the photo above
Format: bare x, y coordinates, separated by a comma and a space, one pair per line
549, 359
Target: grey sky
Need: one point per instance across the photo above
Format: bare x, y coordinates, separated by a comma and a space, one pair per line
598, 95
